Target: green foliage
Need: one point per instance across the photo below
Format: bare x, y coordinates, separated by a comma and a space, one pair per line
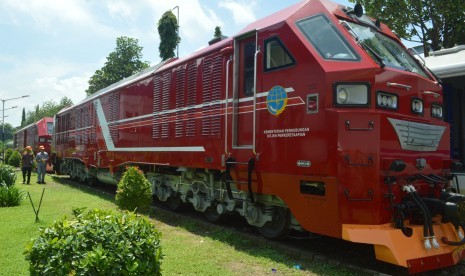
8, 153
23, 118
436, 22
7, 175
218, 32
48, 109
97, 243
9, 132
121, 63
15, 159
10, 195
134, 191
168, 30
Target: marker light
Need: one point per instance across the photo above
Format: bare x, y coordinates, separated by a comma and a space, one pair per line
417, 106
436, 111
386, 100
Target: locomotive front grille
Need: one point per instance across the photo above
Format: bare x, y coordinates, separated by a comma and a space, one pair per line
417, 136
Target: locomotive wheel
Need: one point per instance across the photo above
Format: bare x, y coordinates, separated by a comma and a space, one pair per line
212, 214
173, 203
278, 227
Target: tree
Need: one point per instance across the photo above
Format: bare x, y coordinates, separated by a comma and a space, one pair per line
23, 117
48, 109
123, 62
437, 23
218, 32
9, 132
168, 30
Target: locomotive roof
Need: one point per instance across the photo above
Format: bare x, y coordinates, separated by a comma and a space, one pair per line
272, 19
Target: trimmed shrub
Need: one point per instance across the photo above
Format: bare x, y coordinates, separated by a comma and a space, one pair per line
7, 175
134, 191
15, 159
97, 243
11, 195
8, 153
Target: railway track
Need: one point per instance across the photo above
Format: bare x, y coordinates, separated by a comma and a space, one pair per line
307, 248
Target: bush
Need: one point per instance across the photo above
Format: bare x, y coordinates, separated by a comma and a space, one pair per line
97, 243
7, 175
15, 159
8, 153
10, 195
134, 191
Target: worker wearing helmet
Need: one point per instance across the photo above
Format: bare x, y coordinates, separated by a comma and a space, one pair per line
41, 158
27, 159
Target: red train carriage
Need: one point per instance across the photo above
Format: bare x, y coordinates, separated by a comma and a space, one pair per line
36, 135
315, 118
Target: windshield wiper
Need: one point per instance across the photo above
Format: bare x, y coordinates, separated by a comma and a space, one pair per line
364, 46
374, 53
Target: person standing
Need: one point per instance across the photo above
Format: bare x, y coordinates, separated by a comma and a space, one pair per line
41, 159
27, 159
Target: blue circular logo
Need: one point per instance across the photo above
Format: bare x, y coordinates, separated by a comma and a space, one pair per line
276, 100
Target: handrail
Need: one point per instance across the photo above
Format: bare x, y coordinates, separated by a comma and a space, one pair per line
255, 99
226, 109
398, 85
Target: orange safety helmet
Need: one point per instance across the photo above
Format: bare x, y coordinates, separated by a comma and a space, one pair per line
28, 148
41, 147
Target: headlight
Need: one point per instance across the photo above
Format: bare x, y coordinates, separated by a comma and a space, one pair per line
386, 100
351, 94
436, 111
417, 106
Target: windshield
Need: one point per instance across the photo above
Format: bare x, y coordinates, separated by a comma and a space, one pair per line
391, 53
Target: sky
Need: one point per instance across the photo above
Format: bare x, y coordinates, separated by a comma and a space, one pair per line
50, 48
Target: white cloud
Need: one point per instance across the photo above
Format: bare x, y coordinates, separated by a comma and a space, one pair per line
59, 86
44, 12
122, 9
51, 15
43, 80
242, 12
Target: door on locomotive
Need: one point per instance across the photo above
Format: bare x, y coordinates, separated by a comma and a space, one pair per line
243, 95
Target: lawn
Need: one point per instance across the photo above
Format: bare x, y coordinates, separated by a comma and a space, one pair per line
190, 247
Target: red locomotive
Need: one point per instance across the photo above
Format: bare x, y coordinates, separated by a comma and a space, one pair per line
315, 118
36, 135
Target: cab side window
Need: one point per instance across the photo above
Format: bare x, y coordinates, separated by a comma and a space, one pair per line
249, 54
276, 55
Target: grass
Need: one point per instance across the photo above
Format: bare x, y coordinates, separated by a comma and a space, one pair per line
189, 246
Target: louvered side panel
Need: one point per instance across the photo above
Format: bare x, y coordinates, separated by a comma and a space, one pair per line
68, 128
79, 130
180, 102
114, 115
191, 98
215, 121
206, 95
165, 118
93, 121
157, 94
85, 124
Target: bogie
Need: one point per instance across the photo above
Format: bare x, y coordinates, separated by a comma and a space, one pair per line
206, 192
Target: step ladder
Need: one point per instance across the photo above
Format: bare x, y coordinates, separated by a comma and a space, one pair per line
231, 163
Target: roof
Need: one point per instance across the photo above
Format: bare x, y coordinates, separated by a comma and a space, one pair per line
447, 63
272, 19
